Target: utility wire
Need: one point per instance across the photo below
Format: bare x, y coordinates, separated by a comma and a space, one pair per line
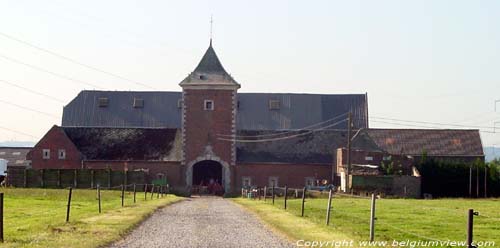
75, 61
31, 91
282, 138
50, 72
18, 132
430, 123
286, 132
420, 126
30, 109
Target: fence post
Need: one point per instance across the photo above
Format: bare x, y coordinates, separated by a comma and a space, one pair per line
372, 219
91, 179
25, 178
109, 178
75, 178
272, 193
42, 183
58, 178
99, 197
145, 192
470, 227
152, 190
265, 193
158, 192
286, 194
123, 193
69, 204
329, 207
134, 192
303, 200
1, 217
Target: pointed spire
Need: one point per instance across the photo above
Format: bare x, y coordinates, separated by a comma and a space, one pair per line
210, 63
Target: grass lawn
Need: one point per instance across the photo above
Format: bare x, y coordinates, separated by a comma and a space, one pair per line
36, 217
397, 219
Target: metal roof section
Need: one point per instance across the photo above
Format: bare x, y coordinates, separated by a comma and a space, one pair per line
161, 109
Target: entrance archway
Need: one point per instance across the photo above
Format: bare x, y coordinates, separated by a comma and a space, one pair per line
207, 171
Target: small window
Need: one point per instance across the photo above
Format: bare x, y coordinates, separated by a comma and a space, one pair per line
274, 104
19, 161
203, 77
310, 181
103, 102
209, 105
16, 153
246, 182
46, 153
138, 103
179, 103
2, 153
62, 154
369, 158
273, 182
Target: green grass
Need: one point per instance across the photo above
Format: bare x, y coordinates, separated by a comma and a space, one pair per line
37, 217
397, 219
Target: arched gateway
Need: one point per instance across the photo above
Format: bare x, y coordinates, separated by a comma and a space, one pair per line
206, 167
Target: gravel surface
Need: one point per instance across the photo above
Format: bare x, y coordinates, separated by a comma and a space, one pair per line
202, 222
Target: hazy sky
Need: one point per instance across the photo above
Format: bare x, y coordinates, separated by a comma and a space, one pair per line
431, 61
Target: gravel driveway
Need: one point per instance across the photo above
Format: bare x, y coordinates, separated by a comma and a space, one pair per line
202, 222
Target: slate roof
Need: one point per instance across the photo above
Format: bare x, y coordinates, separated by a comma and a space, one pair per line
16, 156
435, 142
161, 110
318, 147
158, 144
210, 63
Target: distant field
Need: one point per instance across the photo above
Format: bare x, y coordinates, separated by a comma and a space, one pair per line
36, 217
397, 219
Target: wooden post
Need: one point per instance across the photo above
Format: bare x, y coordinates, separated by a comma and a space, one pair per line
329, 207
75, 178
372, 219
92, 179
26, 178
470, 181
69, 204
109, 178
272, 193
145, 192
134, 192
42, 183
1, 217
286, 194
99, 197
123, 194
152, 190
125, 177
485, 181
348, 157
58, 178
303, 200
265, 193
158, 192
470, 227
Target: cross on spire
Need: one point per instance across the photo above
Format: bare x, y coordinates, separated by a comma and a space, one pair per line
211, 29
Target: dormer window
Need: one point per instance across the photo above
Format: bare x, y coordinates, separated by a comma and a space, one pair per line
274, 104
103, 102
203, 77
208, 105
138, 103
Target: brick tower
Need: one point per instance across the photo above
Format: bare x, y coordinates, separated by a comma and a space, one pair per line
209, 114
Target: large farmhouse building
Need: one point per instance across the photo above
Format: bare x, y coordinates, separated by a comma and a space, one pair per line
209, 131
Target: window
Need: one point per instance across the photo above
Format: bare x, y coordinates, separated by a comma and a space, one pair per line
273, 182
138, 103
246, 182
179, 103
19, 161
209, 105
103, 102
274, 104
46, 153
62, 154
310, 181
2, 153
369, 158
16, 153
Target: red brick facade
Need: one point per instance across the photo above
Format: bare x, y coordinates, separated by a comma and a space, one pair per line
55, 140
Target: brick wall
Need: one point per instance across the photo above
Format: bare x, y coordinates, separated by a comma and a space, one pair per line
202, 127
292, 175
54, 140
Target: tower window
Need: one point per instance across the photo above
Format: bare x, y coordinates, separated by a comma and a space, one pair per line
103, 102
61, 154
208, 105
138, 103
274, 104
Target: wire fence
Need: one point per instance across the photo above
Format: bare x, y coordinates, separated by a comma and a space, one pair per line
360, 213
71, 199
